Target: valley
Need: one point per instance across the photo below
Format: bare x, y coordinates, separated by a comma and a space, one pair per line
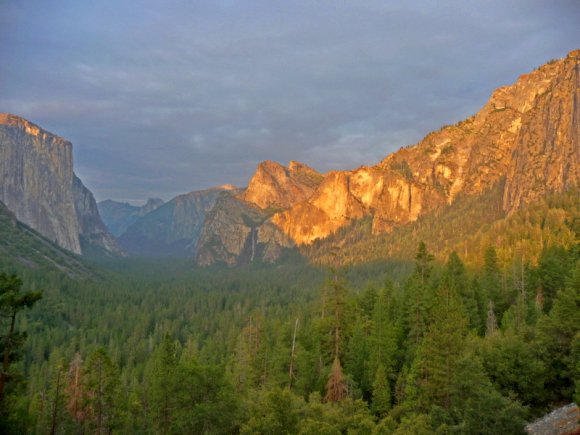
436, 291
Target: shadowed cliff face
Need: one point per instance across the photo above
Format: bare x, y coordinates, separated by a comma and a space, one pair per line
118, 216
91, 227
40, 188
174, 228
37, 174
527, 133
237, 232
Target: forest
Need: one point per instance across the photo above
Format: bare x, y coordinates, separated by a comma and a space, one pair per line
419, 347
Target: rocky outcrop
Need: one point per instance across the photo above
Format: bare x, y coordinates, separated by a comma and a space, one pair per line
237, 232
547, 152
278, 187
174, 228
37, 174
40, 188
561, 421
526, 135
118, 216
92, 230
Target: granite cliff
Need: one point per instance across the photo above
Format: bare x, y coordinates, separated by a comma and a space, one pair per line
526, 136
41, 189
274, 186
174, 228
237, 230
92, 230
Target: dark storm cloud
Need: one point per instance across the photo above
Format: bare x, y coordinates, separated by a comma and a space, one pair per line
164, 97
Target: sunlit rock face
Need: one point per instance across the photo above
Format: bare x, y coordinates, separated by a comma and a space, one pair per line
547, 155
276, 186
237, 232
40, 188
526, 136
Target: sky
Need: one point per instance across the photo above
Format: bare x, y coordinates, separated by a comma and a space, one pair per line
162, 97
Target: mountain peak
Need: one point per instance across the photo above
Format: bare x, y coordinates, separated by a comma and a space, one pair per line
278, 186
41, 189
525, 137
30, 128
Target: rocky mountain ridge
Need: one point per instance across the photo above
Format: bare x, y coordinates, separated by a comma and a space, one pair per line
41, 189
118, 216
279, 187
527, 133
522, 145
174, 228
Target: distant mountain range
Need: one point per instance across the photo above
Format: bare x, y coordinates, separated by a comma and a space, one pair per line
521, 147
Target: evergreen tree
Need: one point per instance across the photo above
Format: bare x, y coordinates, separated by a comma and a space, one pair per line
491, 282
423, 260
456, 278
357, 355
418, 296
381, 393
101, 388
12, 301
383, 340
553, 268
557, 334
441, 350
165, 380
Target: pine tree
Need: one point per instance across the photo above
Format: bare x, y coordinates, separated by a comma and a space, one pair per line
440, 351
357, 355
557, 334
101, 387
423, 260
12, 301
418, 296
492, 282
164, 381
383, 340
381, 393
456, 277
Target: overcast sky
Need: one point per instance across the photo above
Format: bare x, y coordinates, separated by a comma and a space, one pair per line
161, 97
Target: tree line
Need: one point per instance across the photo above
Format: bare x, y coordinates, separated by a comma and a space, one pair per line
446, 349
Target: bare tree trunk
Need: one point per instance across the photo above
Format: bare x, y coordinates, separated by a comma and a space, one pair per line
291, 371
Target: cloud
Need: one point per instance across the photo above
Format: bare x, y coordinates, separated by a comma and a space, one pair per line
161, 98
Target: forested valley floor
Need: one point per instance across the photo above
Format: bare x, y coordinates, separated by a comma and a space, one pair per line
420, 347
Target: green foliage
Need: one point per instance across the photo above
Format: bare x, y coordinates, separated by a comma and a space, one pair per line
162, 349
12, 301
381, 393
512, 364
100, 393
558, 335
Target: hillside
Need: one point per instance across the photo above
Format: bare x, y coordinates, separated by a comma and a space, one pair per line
22, 248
